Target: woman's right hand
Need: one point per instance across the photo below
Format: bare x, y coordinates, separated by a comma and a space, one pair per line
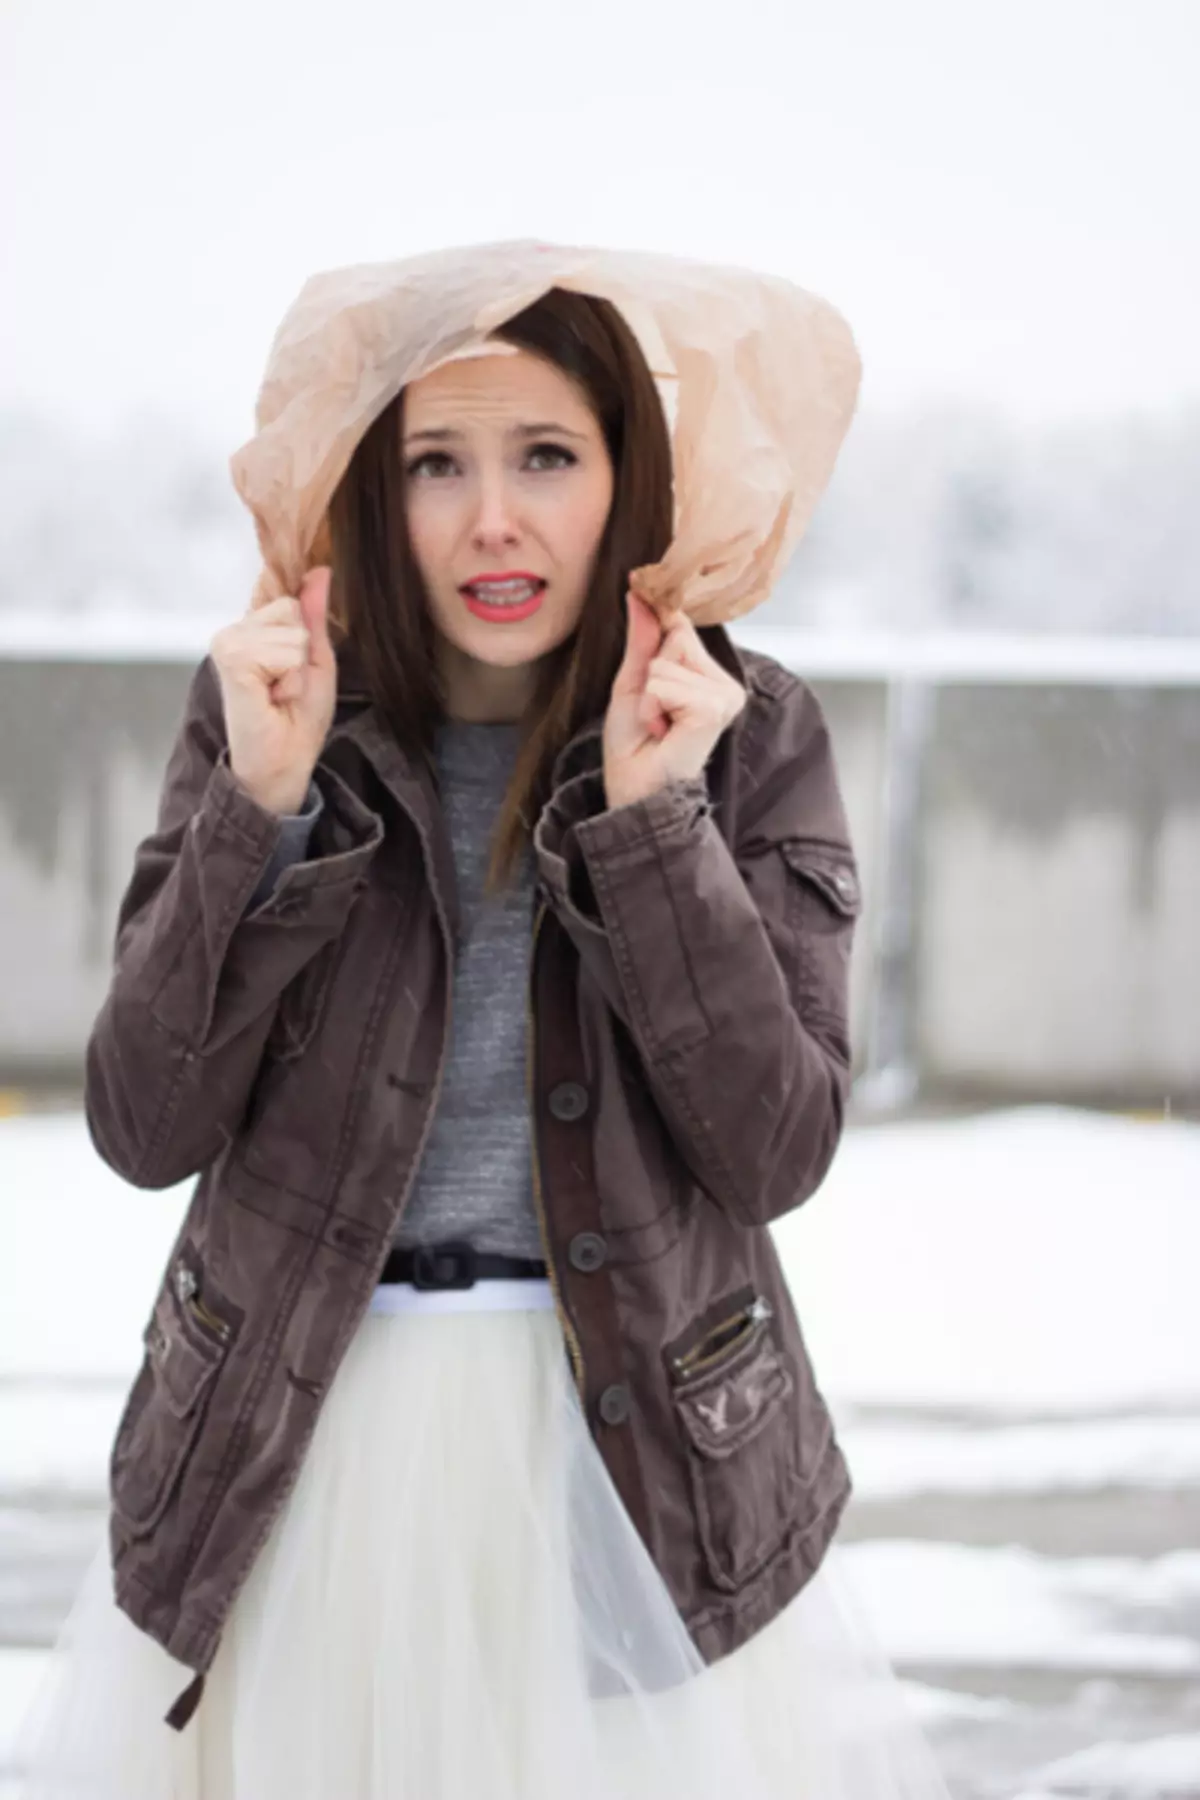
278, 676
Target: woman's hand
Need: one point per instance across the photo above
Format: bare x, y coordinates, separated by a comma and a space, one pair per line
670, 703
278, 676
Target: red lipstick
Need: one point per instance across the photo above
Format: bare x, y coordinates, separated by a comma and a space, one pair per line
499, 609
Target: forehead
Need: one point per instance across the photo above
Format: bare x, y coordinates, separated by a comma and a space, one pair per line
489, 389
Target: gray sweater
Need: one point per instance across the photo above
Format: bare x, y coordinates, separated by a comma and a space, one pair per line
475, 1178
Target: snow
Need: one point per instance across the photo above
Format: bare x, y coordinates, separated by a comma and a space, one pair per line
894, 1461
55, 1438
1156, 1770
1009, 1607
1035, 1261
935, 1706
90, 1250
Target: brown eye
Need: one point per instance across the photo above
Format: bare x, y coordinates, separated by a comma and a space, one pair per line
555, 450
430, 456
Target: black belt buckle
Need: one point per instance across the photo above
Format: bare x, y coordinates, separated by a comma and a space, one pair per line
444, 1266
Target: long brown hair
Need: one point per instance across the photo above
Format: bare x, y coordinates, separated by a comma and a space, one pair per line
377, 595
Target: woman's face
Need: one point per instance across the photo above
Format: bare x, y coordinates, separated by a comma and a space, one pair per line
507, 474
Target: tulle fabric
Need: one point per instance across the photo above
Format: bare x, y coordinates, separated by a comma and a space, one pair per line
454, 1605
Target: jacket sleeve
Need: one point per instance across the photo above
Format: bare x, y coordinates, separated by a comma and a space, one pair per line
729, 967
197, 973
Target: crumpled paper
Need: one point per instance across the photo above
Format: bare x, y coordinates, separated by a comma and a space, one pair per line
759, 379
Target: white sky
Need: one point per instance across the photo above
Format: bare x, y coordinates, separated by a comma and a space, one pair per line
1001, 198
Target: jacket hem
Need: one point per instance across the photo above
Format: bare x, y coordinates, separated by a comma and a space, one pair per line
721, 1628
716, 1630
189, 1639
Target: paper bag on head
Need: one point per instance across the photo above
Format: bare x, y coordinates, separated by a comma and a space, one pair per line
759, 381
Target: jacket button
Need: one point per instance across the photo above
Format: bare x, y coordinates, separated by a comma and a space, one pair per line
568, 1100
587, 1251
614, 1404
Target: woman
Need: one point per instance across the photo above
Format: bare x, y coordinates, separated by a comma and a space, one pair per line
488, 966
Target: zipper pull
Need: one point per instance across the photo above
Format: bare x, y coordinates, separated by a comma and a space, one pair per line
210, 1318
187, 1287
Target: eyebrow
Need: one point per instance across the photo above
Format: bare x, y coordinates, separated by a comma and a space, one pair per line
446, 435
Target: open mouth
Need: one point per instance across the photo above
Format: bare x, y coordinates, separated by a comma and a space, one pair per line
509, 600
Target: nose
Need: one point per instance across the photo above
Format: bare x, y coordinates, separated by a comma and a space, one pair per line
495, 518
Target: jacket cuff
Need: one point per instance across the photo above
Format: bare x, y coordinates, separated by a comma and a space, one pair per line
343, 834
295, 829
670, 809
577, 827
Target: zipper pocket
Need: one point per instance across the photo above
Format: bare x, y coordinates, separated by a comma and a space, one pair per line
210, 1319
724, 1338
187, 1289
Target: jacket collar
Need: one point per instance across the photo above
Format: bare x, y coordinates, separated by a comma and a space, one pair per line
352, 686
411, 781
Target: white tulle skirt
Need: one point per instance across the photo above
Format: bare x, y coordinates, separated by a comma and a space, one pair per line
428, 1616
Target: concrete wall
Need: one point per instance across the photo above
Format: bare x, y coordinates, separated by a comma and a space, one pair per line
1058, 892
857, 713
1030, 855
83, 748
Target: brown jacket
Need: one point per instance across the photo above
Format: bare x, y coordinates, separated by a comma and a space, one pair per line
688, 1073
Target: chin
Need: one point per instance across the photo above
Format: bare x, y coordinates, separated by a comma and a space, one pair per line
508, 646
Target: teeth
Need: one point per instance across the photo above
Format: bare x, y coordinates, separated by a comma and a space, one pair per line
505, 592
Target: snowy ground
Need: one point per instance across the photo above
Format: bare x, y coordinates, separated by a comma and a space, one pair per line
1002, 1313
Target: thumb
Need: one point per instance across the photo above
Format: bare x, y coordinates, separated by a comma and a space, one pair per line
641, 644
314, 606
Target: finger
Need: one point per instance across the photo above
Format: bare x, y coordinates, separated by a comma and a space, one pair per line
314, 603
289, 688
675, 679
649, 708
692, 714
249, 667
686, 704
292, 684
669, 665
274, 637
277, 662
682, 644
641, 642
285, 608
270, 653
653, 720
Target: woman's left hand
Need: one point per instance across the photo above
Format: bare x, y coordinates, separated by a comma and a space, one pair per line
670, 702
